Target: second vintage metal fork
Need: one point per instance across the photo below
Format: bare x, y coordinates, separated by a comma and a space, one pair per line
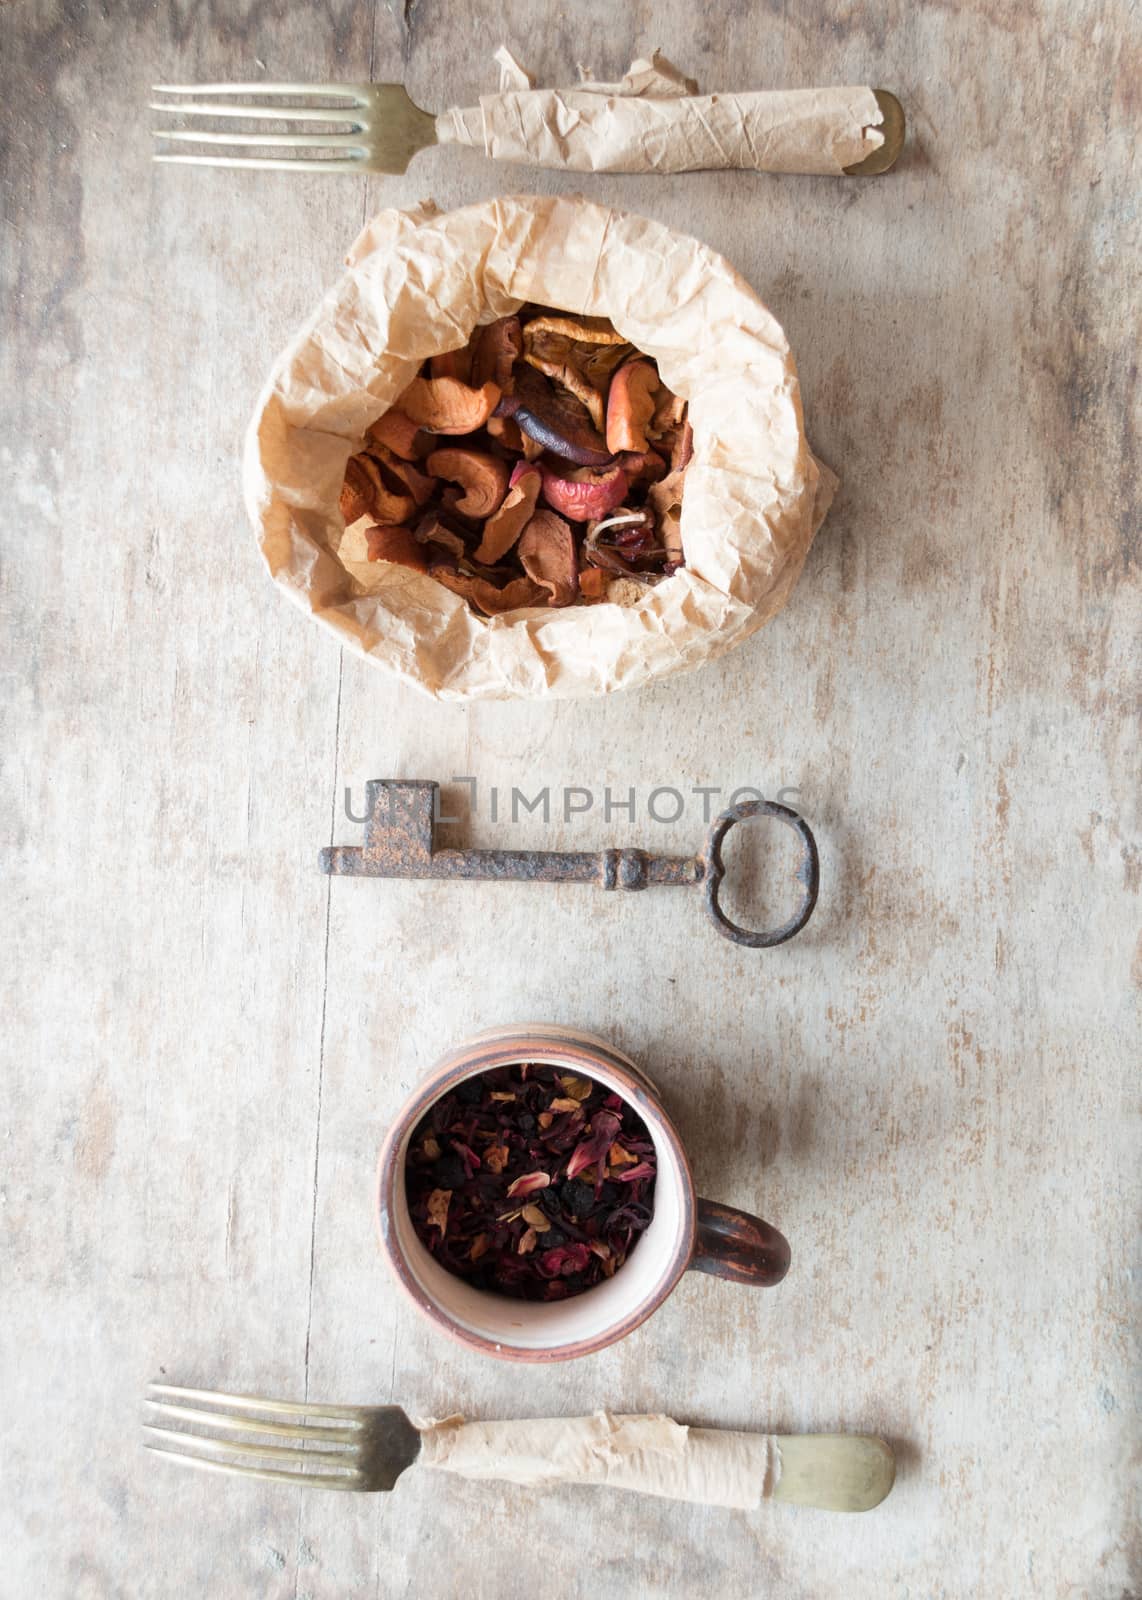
376, 127
366, 1448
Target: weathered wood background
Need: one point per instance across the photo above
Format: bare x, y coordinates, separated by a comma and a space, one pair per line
932, 1091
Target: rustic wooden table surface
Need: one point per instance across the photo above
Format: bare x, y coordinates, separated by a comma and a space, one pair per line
931, 1090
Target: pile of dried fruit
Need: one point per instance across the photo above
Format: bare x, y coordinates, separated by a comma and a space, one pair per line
530, 1182
540, 465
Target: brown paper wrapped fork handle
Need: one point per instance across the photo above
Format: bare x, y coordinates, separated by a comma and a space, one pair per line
656, 1455
833, 131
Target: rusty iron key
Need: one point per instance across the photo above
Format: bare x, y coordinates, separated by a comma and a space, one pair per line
400, 843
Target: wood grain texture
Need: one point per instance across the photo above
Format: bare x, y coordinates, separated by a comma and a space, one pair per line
932, 1091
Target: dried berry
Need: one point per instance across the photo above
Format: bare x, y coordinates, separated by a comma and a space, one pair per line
524, 1199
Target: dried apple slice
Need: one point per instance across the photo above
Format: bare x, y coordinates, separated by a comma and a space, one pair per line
585, 495
419, 486
517, 595
445, 405
483, 478
547, 555
398, 433
579, 362
397, 545
503, 529
555, 419
453, 364
496, 349
630, 406
365, 493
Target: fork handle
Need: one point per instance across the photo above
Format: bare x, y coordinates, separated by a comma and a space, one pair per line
656, 1455
821, 131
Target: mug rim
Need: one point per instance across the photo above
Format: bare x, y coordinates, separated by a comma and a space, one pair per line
551, 1045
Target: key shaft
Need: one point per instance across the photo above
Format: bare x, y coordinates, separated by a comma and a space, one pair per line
609, 869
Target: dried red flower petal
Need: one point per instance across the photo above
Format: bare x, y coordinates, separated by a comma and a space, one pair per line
530, 1183
564, 1260
604, 1126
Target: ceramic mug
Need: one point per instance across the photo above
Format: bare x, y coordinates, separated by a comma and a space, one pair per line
684, 1232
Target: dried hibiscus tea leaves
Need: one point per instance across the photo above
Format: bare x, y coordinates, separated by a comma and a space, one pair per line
540, 465
531, 1183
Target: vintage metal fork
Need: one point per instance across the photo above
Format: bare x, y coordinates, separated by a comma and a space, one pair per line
380, 129
372, 1446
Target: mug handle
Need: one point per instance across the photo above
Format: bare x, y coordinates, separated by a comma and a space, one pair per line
733, 1244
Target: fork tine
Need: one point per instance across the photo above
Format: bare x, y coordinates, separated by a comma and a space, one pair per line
329, 91
224, 108
230, 1450
284, 141
266, 163
281, 1430
270, 1474
252, 1402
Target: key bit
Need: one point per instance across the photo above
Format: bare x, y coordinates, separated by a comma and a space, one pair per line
400, 843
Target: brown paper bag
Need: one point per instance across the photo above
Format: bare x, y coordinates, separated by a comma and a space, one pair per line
418, 283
